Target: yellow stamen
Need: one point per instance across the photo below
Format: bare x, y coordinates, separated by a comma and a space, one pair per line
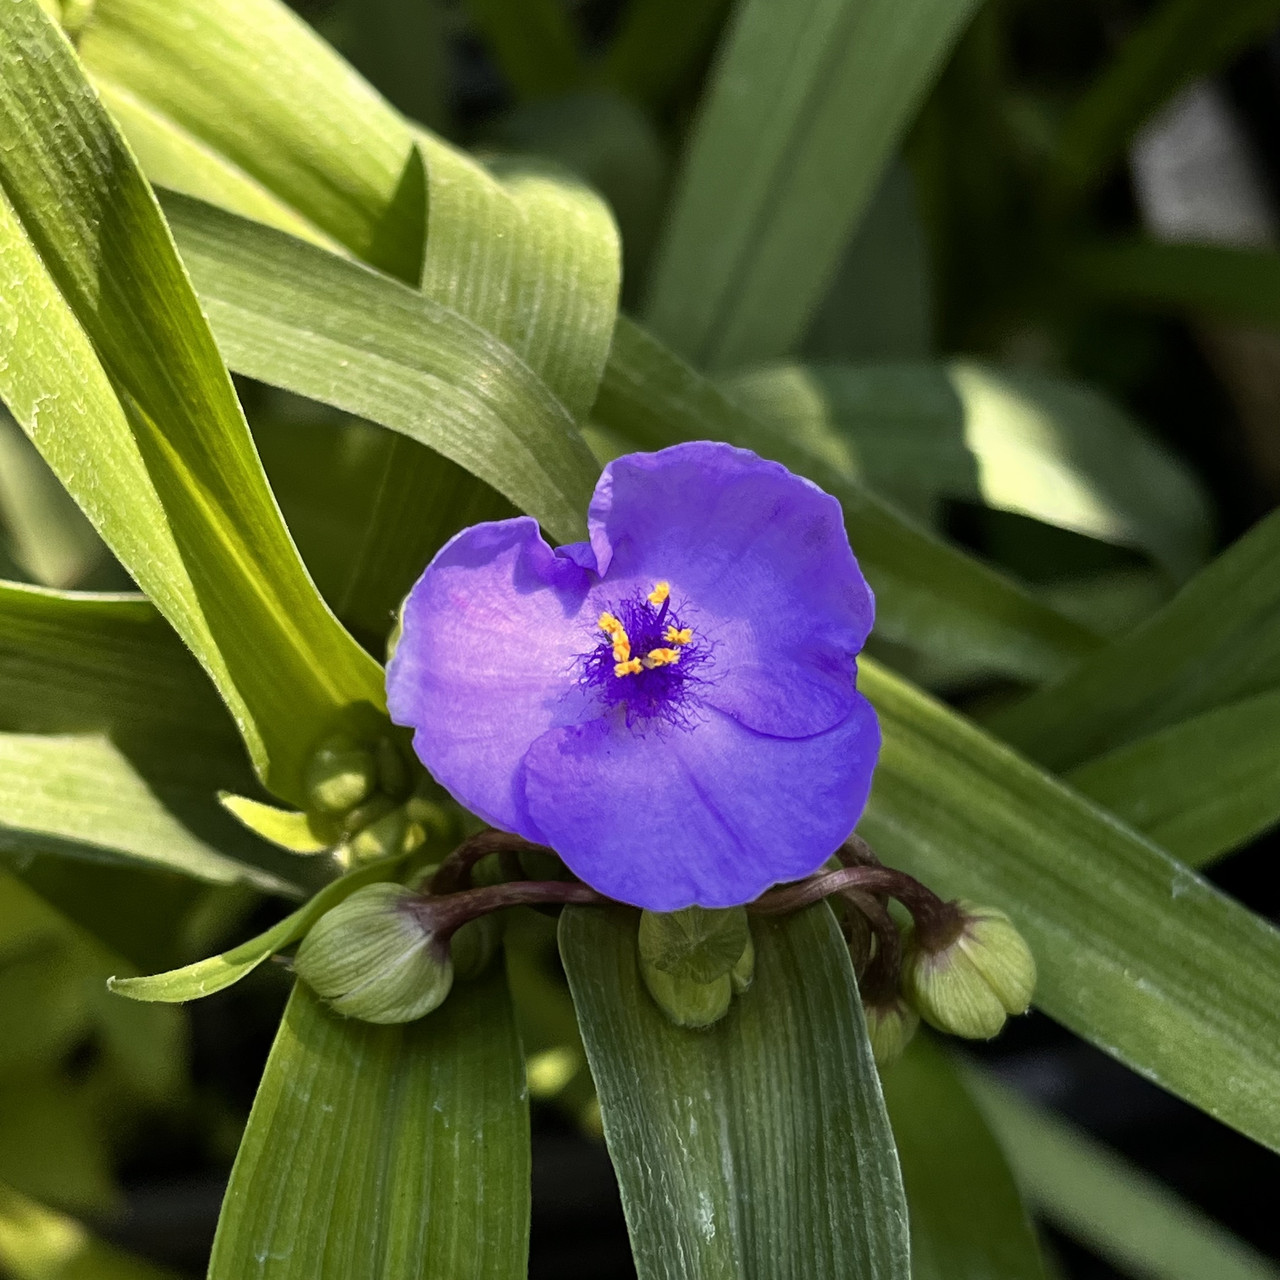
661, 657
621, 647
661, 590
681, 636
628, 668
609, 624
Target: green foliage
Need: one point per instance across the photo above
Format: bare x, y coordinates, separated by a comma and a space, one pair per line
778, 1104
427, 337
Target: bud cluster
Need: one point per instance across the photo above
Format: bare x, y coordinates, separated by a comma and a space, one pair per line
695, 961
363, 796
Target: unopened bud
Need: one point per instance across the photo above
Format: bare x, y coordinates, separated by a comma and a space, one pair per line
385, 837
969, 986
341, 774
686, 1002
695, 943
372, 958
890, 1027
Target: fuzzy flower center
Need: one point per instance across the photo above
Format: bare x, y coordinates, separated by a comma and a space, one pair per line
646, 660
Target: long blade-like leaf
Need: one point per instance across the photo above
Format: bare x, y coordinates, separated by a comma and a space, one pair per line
808, 101
397, 1152
967, 1219
1121, 1212
1135, 951
113, 742
758, 1148
1216, 642
109, 366
288, 313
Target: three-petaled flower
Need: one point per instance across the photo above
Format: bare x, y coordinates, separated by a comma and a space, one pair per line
670, 706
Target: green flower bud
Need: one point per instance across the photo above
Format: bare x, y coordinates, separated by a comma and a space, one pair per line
340, 775
969, 986
696, 943
371, 957
382, 838
890, 1028
393, 769
688, 1003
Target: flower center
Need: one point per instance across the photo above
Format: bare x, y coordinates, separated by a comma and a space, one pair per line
646, 659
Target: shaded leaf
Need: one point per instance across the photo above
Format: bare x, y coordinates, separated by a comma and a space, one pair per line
113, 373
759, 1147
400, 1152
807, 102
1136, 952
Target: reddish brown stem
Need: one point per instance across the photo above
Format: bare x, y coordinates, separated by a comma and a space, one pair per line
454, 873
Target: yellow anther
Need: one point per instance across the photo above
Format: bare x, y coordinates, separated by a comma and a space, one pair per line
621, 647
682, 635
661, 657
661, 590
629, 668
609, 624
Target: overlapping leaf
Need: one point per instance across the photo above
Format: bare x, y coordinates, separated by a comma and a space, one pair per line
1135, 951
110, 367
808, 100
398, 1152
757, 1148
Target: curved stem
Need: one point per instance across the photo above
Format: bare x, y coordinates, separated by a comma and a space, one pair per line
454, 873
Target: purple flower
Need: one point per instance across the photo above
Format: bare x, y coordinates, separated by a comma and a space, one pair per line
670, 706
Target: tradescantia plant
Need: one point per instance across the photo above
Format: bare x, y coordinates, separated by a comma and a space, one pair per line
667, 606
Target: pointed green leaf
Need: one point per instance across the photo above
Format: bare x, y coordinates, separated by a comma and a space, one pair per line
204, 977
397, 1152
113, 742
808, 101
1199, 788
250, 85
1214, 643
967, 1218
290, 314
929, 596
112, 371
1117, 1210
759, 1147
1135, 951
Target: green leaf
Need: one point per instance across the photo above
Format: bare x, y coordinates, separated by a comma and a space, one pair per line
929, 596
1136, 952
204, 977
759, 1147
47, 534
113, 373
808, 100
1114, 1208
1216, 642
546, 287
659, 46
1028, 443
879, 305
398, 1152
1180, 41
402, 47
967, 1218
288, 828
294, 316
1199, 788
1214, 282
245, 89
113, 742
533, 43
